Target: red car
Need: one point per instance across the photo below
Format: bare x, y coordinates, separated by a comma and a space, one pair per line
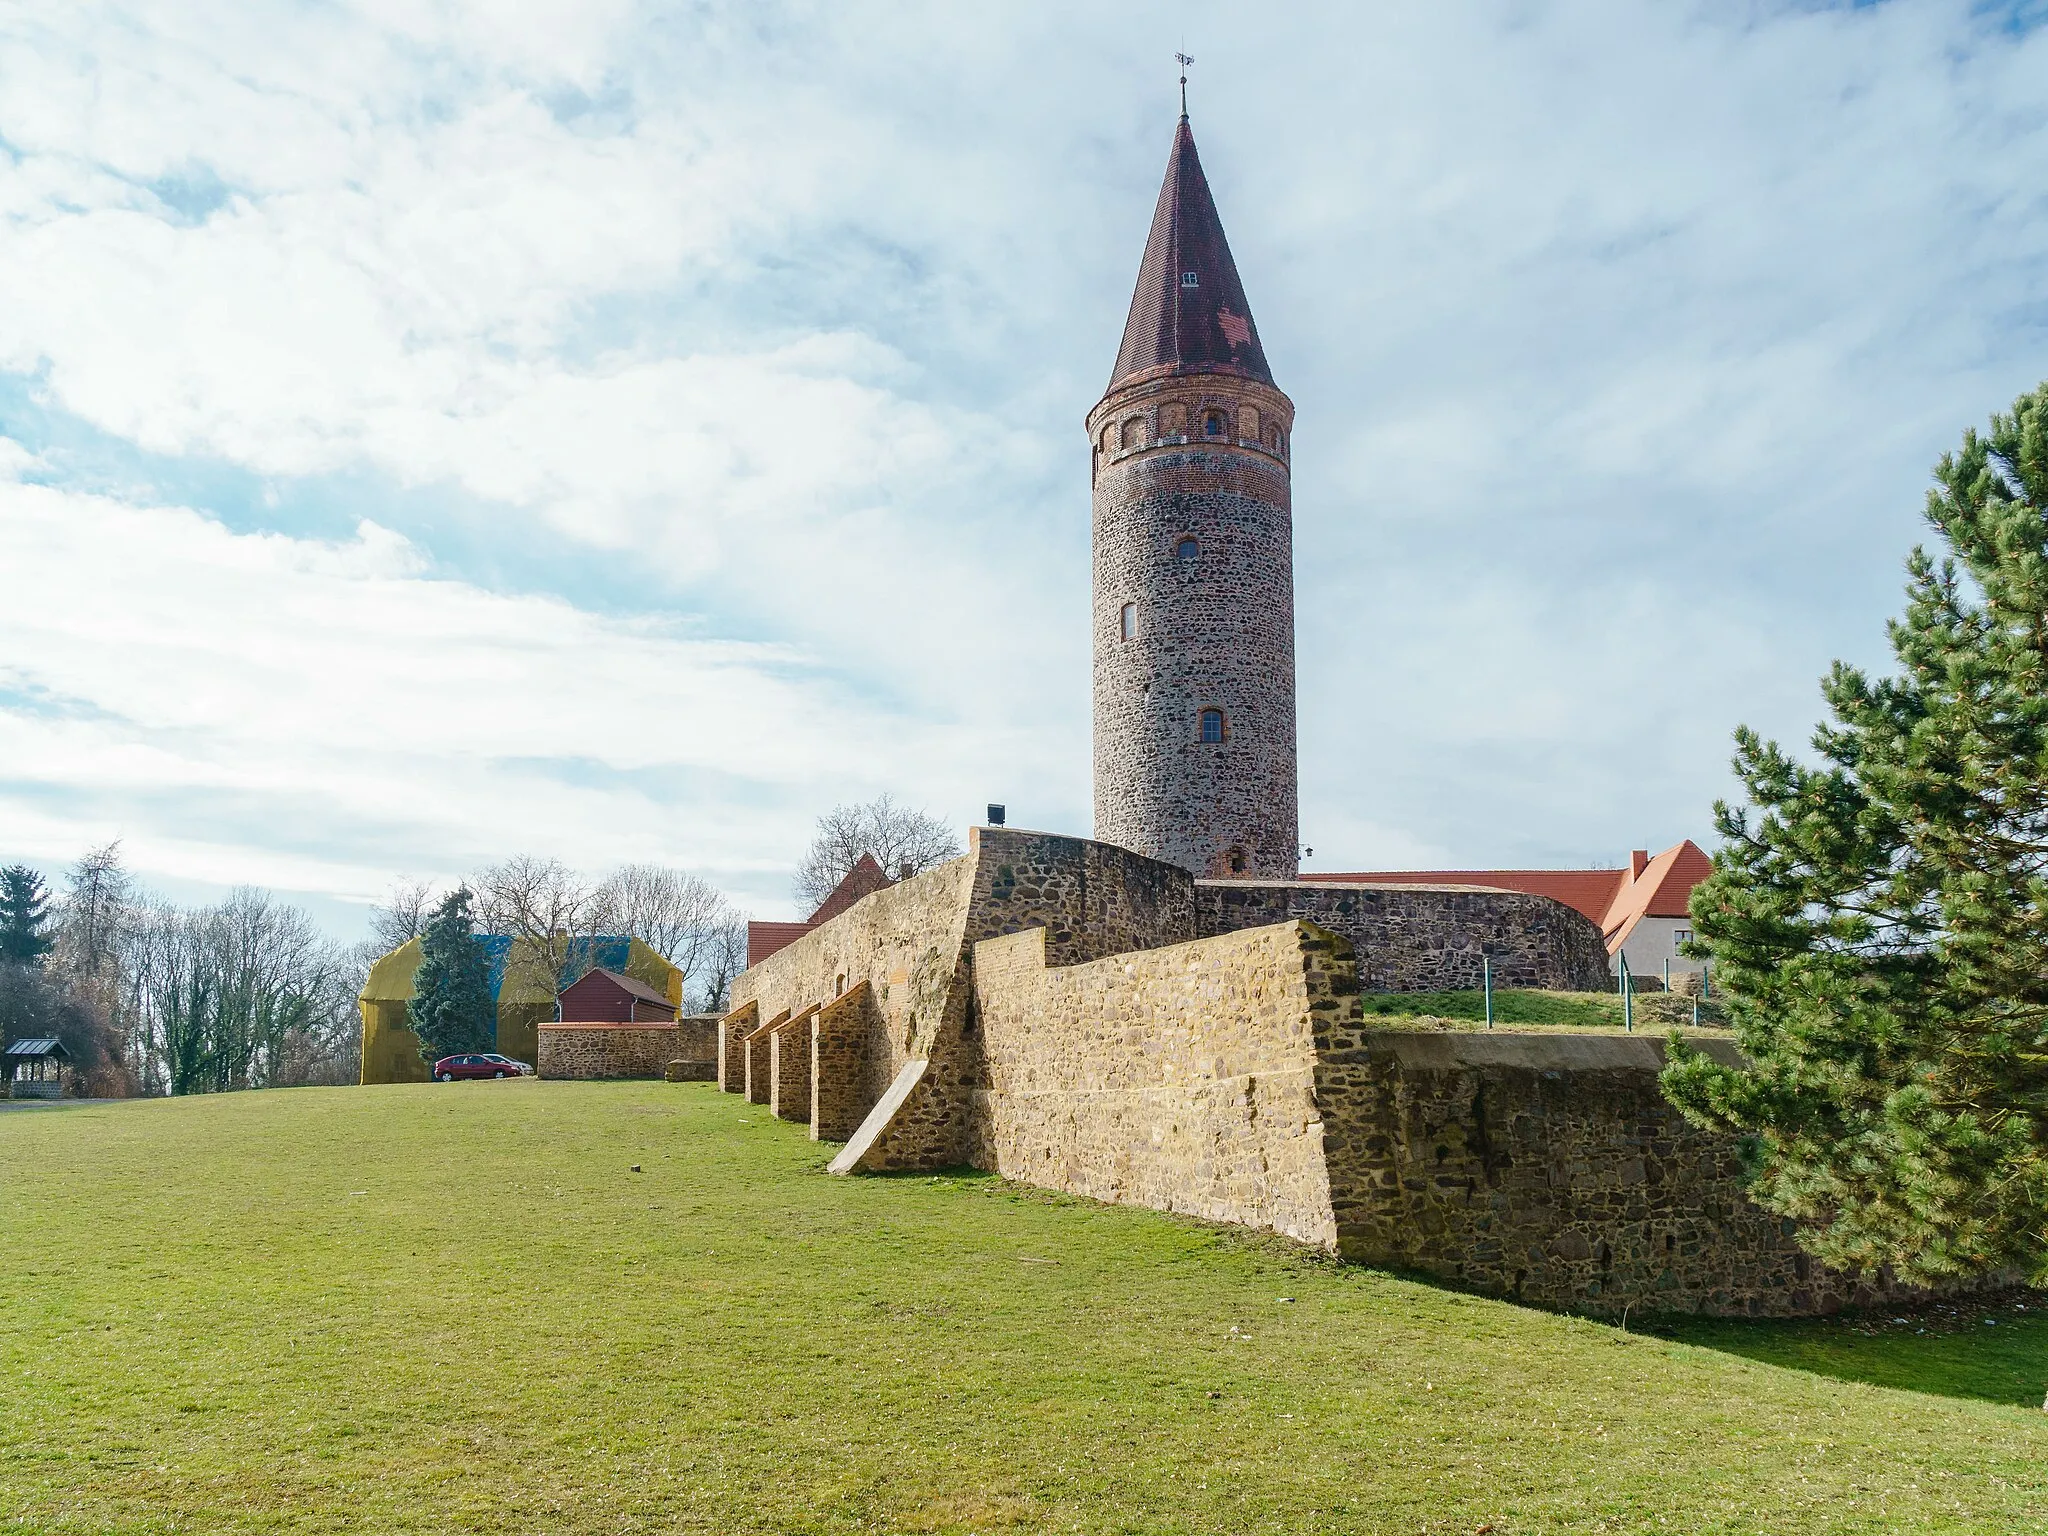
449, 1068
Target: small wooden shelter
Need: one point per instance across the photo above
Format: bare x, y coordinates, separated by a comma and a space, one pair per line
35, 1068
604, 996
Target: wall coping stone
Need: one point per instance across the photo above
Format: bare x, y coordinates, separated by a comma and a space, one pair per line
1448, 1050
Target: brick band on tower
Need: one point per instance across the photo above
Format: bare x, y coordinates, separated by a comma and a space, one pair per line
1194, 562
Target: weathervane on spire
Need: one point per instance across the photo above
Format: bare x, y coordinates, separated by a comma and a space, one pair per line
1185, 61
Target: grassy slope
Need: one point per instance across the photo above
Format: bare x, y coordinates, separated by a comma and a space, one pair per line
455, 1309
1656, 1011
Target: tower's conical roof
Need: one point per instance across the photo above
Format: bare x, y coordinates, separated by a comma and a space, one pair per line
1189, 314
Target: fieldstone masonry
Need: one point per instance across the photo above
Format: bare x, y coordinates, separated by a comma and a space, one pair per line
605, 1050
1071, 1015
1425, 938
1179, 1078
1194, 612
1550, 1168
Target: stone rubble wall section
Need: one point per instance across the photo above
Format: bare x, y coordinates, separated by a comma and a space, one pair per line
789, 1067
911, 945
697, 1039
587, 1051
840, 1034
1411, 938
733, 1030
1179, 1078
1210, 630
755, 1049
1551, 1169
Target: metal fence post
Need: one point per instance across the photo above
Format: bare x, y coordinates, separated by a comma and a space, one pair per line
1486, 981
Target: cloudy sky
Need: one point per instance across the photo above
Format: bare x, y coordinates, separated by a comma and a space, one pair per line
430, 432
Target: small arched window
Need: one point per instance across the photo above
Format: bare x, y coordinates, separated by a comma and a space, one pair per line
1212, 725
1191, 279
1187, 549
1130, 621
1134, 432
1212, 424
1237, 861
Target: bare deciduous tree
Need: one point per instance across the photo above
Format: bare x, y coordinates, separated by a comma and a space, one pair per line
403, 914
542, 902
247, 994
679, 916
722, 958
903, 841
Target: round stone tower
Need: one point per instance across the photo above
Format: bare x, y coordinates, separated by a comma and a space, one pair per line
1194, 562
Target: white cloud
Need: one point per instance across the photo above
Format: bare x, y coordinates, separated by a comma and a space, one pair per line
337, 712
1621, 338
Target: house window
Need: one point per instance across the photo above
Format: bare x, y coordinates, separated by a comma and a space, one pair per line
1187, 549
1212, 424
1190, 280
1681, 937
1130, 621
1212, 725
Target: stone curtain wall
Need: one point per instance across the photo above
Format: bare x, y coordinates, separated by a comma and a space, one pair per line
910, 945
606, 1050
839, 1042
733, 1030
1214, 631
906, 944
1179, 1078
697, 1044
1549, 1168
1420, 938
1092, 899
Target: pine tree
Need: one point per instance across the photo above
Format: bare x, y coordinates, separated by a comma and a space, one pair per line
24, 914
451, 1008
1879, 921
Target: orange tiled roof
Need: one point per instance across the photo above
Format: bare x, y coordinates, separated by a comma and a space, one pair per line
1663, 889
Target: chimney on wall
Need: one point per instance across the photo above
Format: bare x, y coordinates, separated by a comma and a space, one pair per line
1638, 861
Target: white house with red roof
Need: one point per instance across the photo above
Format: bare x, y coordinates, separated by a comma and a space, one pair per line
1643, 911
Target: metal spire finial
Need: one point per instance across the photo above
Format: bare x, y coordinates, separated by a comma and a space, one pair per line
1185, 61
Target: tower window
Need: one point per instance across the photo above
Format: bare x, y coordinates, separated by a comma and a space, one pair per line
1190, 280
1187, 548
1237, 861
1212, 725
1130, 621
1212, 424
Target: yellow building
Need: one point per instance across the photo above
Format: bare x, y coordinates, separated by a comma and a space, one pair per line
522, 981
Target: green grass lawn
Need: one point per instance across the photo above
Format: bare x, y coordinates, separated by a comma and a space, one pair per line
455, 1308
1656, 1011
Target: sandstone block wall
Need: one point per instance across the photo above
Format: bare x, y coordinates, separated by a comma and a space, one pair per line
1418, 938
1049, 1008
733, 1030
1550, 1168
839, 1042
789, 1068
911, 945
605, 1050
1180, 1078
